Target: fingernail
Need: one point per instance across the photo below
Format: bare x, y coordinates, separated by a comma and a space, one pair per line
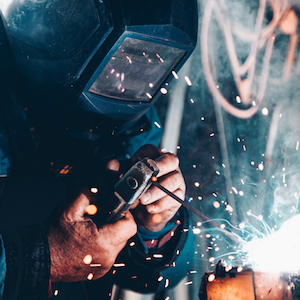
146, 197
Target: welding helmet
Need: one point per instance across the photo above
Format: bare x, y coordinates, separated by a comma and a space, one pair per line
95, 66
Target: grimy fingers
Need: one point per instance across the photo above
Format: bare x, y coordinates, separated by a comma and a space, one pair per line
123, 229
167, 163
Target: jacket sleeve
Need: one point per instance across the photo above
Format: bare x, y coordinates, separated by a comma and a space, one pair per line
2, 267
25, 264
153, 269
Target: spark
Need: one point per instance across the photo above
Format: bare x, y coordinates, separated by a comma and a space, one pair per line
55, 293
211, 278
157, 124
189, 282
160, 278
187, 80
196, 230
212, 134
129, 59
90, 276
265, 111
218, 172
197, 184
167, 283
163, 91
88, 259
202, 118
216, 204
297, 145
158, 255
117, 265
91, 209
228, 268
239, 269
148, 95
95, 265
192, 101
151, 85
261, 166
175, 75
244, 147
238, 99
235, 190
94, 190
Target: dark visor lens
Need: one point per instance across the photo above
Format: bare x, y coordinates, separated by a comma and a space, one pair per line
136, 71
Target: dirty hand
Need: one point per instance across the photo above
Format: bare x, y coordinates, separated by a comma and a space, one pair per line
156, 208
78, 249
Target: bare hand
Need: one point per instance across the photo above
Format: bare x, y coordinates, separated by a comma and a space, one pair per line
78, 249
156, 208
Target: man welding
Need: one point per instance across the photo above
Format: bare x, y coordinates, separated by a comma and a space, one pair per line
78, 84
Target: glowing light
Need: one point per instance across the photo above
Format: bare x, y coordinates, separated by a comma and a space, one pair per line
261, 166
188, 81
90, 276
94, 190
88, 259
228, 268
118, 265
239, 269
157, 124
222, 226
216, 204
95, 265
163, 91
132, 244
91, 209
208, 235
130, 61
279, 250
238, 99
148, 95
160, 278
197, 184
242, 225
175, 75
167, 283
192, 101
265, 111
202, 118
55, 293
158, 255
196, 230
211, 278
151, 85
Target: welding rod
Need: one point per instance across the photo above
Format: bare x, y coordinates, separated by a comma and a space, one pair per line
198, 213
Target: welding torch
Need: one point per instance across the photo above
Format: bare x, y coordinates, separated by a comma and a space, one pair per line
134, 183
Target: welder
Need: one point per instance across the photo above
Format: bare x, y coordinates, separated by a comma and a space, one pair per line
78, 82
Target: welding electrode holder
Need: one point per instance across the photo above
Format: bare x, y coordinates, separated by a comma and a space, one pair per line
132, 185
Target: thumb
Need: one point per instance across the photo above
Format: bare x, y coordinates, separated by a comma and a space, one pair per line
77, 209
